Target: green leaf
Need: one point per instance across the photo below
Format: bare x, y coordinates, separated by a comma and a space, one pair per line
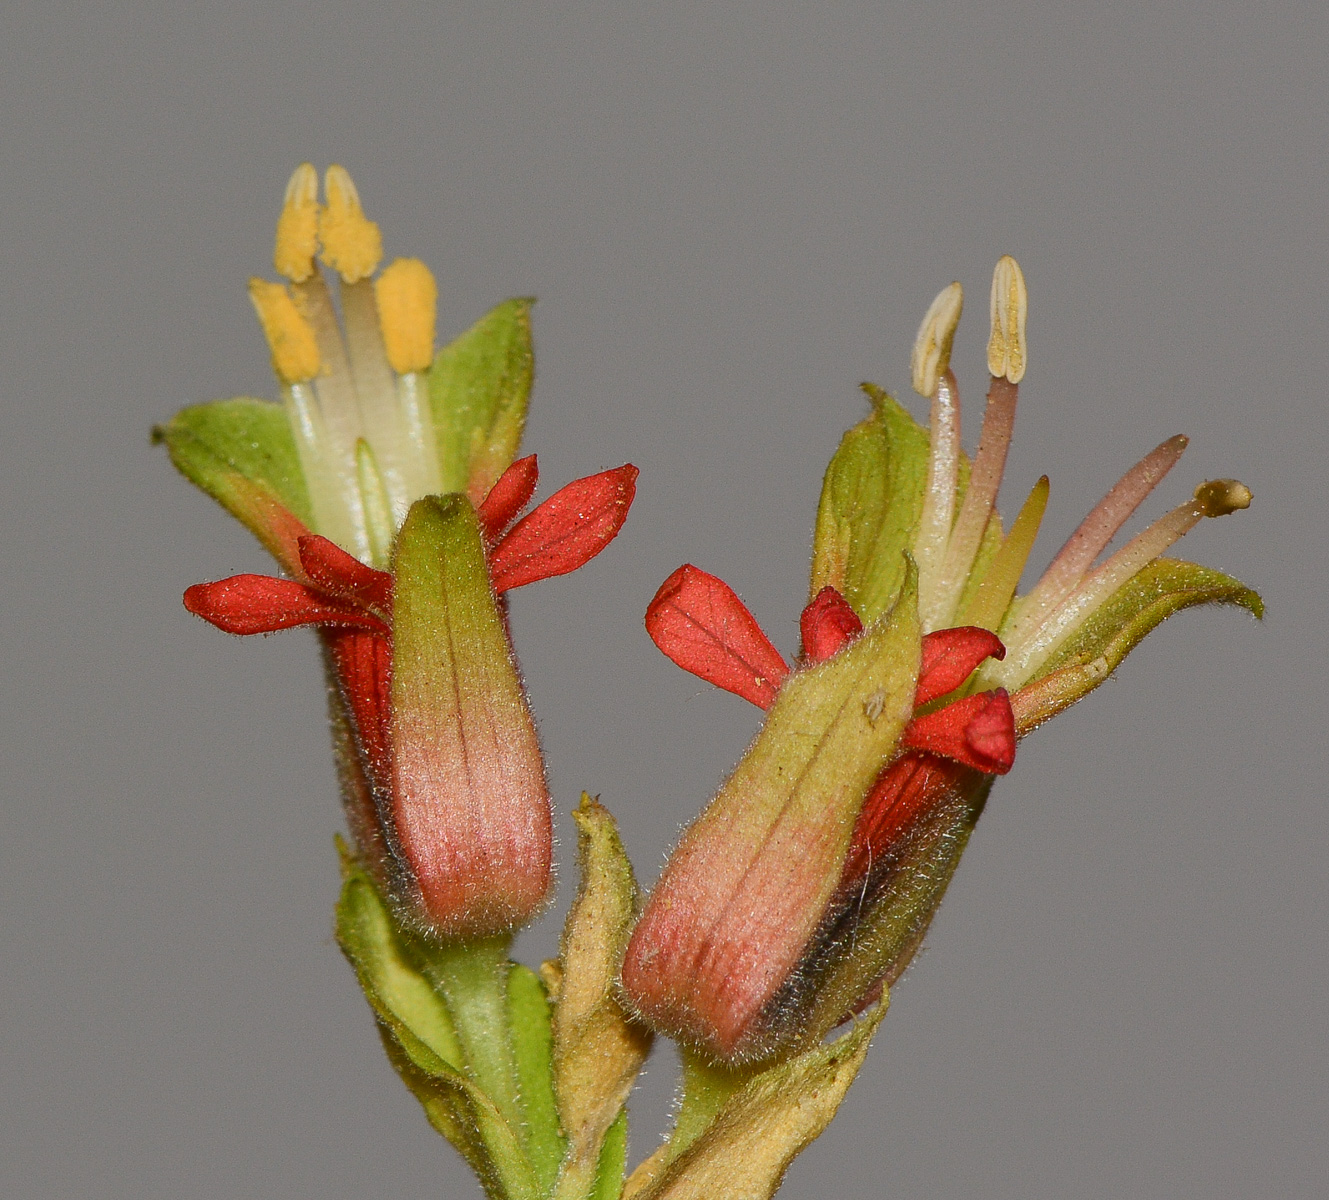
241, 453
870, 503
613, 1161
760, 1127
597, 1050
533, 1045
390, 976
421, 1040
1164, 587
478, 389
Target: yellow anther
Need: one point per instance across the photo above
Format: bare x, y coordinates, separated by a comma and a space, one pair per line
297, 227
352, 245
1218, 497
1010, 306
932, 346
290, 337
407, 301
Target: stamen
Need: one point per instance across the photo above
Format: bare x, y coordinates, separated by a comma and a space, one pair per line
938, 513
1216, 498
297, 227
335, 390
932, 346
979, 499
407, 306
291, 339
318, 465
1219, 497
1075, 558
1007, 353
994, 594
418, 428
376, 390
352, 244
379, 523
407, 303
323, 428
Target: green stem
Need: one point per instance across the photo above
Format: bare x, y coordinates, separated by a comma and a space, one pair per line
473, 980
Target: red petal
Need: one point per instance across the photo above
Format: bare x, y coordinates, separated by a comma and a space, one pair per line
910, 786
261, 604
343, 576
508, 497
363, 663
566, 531
828, 624
699, 622
978, 731
949, 658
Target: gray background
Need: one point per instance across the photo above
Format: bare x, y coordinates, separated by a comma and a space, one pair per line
731, 214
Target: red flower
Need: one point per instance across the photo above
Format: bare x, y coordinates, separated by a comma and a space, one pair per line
748, 913
442, 773
700, 623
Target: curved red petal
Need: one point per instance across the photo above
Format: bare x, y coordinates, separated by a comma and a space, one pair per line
828, 624
343, 576
949, 658
362, 662
261, 604
509, 495
978, 731
698, 621
904, 791
566, 531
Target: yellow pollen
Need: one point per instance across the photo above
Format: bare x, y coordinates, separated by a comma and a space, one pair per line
352, 244
1010, 306
290, 337
932, 347
297, 227
1218, 497
407, 299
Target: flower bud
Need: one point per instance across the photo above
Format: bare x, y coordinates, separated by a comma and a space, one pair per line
469, 817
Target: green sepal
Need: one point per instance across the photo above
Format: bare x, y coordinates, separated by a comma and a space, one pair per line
533, 1046
758, 1122
421, 1040
1164, 587
478, 390
871, 499
242, 454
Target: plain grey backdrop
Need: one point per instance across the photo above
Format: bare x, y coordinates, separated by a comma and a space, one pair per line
731, 214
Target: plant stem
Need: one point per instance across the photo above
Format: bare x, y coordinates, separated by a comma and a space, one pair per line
473, 981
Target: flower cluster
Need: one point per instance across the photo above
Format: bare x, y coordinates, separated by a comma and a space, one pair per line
387, 485
812, 876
